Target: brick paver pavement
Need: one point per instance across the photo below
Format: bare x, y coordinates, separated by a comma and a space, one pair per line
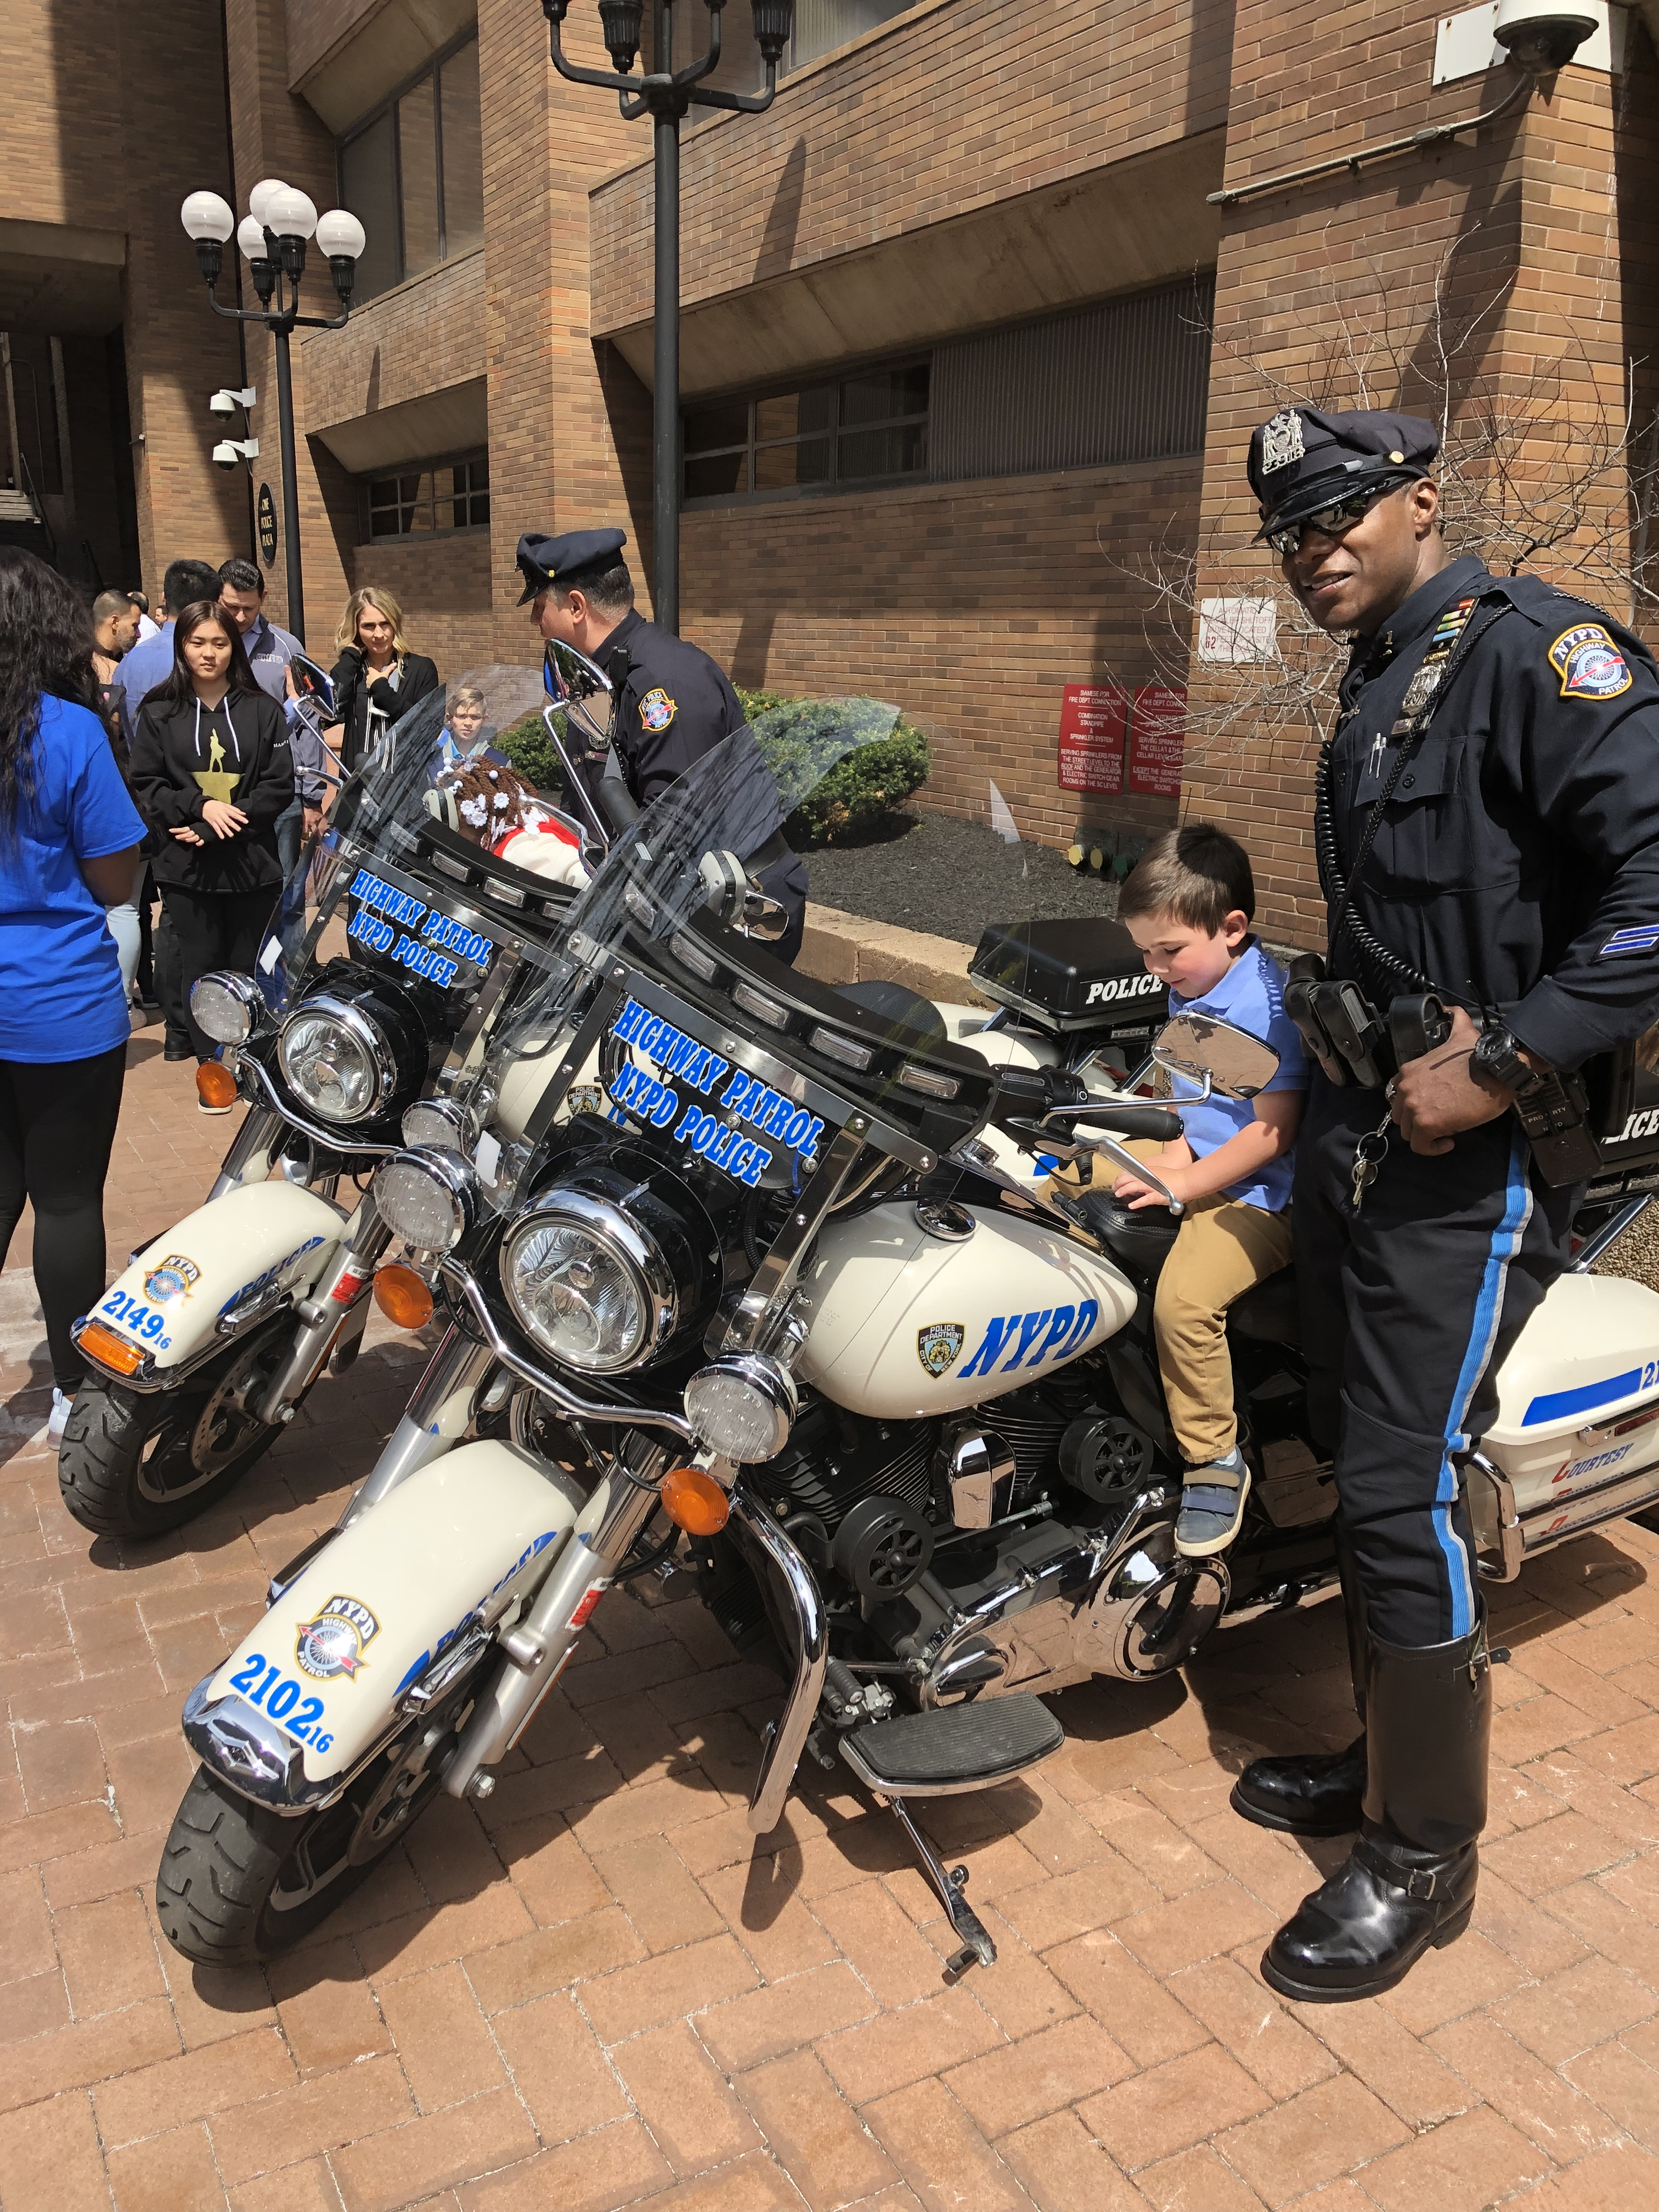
597, 1990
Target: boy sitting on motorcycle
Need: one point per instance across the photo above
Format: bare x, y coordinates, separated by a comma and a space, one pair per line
1187, 905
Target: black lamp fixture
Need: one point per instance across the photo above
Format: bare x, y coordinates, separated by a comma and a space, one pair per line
667, 95
272, 237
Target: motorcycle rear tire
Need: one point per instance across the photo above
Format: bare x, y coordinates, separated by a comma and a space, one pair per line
119, 1447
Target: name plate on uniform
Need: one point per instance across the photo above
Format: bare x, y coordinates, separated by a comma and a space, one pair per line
395, 923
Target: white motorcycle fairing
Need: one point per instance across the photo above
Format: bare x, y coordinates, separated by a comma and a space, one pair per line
315, 1687
214, 1265
904, 1325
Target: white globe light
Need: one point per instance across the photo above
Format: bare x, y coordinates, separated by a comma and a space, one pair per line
205, 215
260, 199
250, 237
290, 214
339, 232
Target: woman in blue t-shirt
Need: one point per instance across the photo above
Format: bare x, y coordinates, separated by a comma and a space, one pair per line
69, 841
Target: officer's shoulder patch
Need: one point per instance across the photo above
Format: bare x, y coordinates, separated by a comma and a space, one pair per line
658, 710
1589, 662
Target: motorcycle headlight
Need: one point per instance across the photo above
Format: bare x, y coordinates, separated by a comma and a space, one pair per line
743, 1407
444, 1122
336, 1059
225, 1006
425, 1196
589, 1285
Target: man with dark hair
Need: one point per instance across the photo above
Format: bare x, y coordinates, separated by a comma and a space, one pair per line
270, 649
1488, 828
150, 662
115, 625
673, 704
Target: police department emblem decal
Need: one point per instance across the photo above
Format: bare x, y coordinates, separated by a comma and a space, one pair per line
1281, 441
175, 1278
657, 709
937, 1346
1589, 662
333, 1642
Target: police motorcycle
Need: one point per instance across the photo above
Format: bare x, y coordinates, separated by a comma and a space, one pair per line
732, 1274
204, 1348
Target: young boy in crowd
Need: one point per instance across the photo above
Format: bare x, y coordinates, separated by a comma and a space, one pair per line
1187, 905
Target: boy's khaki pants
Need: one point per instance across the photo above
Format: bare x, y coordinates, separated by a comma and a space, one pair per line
1223, 1248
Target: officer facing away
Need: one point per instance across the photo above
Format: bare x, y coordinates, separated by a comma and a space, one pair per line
1488, 828
673, 703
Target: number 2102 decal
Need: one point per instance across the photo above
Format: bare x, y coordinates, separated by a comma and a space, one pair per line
283, 1699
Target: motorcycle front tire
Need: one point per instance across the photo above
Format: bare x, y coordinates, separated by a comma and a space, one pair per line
137, 1463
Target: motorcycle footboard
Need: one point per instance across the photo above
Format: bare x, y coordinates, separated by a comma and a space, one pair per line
968, 1747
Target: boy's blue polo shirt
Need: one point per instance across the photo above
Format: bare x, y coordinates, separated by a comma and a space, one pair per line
1251, 996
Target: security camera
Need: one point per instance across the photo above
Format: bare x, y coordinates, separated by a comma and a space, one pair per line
227, 454
222, 403
1541, 34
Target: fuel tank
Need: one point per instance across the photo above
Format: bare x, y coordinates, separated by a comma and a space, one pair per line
905, 1324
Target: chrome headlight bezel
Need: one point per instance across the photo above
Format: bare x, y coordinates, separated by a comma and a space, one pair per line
240, 1018
626, 1242
364, 1032
450, 1175
771, 1392
458, 1122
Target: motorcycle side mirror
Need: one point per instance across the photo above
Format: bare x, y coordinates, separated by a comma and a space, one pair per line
1203, 1049
571, 675
763, 917
313, 683
736, 900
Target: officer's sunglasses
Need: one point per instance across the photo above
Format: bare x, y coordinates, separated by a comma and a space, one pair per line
1330, 521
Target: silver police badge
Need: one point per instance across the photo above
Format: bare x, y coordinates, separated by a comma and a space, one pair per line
1281, 441
937, 1346
333, 1642
1421, 688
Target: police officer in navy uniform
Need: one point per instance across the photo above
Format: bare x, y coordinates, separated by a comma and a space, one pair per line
1487, 827
673, 704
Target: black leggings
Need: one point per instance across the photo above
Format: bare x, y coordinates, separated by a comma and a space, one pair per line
214, 929
57, 1125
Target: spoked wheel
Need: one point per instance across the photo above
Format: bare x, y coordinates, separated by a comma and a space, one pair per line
136, 1463
239, 1883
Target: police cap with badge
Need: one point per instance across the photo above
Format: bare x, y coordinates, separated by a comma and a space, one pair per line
1308, 466
578, 557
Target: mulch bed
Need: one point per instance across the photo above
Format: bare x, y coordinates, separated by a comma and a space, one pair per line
936, 873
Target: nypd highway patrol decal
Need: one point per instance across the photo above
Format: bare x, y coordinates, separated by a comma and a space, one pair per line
333, 1642
657, 709
1589, 662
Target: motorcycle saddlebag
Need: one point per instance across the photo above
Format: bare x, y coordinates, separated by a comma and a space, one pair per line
1065, 975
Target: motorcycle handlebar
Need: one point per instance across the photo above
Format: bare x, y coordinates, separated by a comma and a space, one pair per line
1155, 1123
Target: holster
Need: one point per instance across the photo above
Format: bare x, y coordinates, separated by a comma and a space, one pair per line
1343, 1031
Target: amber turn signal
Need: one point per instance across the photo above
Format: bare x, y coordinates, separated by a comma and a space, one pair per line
403, 1297
694, 1501
214, 1084
109, 1350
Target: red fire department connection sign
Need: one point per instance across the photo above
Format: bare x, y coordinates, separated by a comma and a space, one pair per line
1157, 731
1093, 718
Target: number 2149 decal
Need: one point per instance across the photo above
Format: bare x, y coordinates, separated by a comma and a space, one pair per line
147, 1322
283, 1699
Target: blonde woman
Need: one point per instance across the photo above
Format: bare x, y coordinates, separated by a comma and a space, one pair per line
376, 678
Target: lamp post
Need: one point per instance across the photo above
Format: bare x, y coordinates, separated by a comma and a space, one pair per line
272, 237
666, 95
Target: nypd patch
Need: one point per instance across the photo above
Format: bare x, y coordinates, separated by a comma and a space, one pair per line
657, 709
1589, 662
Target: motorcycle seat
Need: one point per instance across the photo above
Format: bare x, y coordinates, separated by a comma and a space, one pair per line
895, 1003
1142, 1240
1269, 1311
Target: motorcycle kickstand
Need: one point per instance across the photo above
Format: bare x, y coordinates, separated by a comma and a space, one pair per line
977, 1948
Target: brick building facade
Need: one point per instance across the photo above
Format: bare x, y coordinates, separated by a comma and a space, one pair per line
969, 350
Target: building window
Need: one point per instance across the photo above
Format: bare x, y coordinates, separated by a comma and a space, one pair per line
821, 25
868, 429
1124, 381
412, 173
451, 495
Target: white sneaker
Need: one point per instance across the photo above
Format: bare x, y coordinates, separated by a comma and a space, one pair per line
60, 1413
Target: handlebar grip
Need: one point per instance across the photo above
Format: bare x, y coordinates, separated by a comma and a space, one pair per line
1155, 1123
617, 803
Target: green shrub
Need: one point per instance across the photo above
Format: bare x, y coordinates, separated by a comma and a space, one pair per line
874, 779
525, 744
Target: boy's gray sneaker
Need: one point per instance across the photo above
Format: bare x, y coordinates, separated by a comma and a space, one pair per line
1211, 1505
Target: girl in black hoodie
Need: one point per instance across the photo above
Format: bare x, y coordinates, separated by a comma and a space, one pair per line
210, 769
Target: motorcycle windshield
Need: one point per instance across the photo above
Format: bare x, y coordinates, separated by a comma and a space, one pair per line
695, 836
445, 765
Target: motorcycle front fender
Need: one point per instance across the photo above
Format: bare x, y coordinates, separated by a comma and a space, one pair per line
318, 1686
227, 1259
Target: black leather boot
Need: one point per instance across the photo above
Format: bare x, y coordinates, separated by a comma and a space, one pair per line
1408, 1884
1316, 1793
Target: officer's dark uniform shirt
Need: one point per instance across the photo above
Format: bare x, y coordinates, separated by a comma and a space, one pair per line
675, 705
1518, 864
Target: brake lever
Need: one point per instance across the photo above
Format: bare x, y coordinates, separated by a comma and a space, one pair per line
1045, 1140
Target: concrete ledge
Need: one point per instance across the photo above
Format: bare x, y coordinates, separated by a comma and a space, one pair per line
849, 948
